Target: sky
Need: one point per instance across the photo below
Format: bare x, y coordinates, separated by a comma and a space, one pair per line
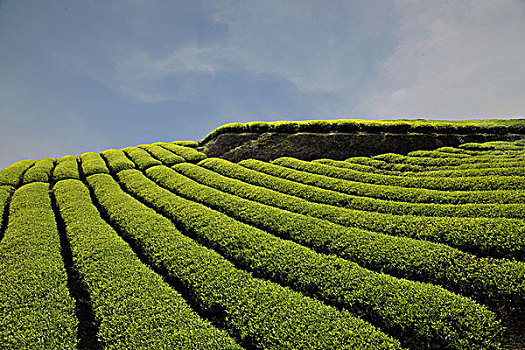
79, 76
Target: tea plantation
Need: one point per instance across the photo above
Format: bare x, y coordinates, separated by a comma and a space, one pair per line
158, 246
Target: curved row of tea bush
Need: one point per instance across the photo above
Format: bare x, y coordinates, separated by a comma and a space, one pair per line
378, 165
134, 307
407, 310
12, 175
162, 154
498, 237
438, 154
66, 168
140, 157
92, 163
494, 146
117, 160
465, 173
260, 313
472, 162
321, 195
510, 149
36, 310
40, 171
413, 195
496, 281
189, 154
484, 183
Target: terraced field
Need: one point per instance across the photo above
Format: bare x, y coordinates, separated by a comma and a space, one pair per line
157, 246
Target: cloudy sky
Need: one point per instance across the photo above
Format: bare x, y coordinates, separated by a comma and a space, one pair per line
78, 76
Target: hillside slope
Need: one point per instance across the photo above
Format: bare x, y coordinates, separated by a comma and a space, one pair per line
159, 246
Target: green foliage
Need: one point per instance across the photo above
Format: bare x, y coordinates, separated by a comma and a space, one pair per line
12, 175
395, 193
36, 310
40, 171
458, 163
141, 158
192, 144
67, 168
117, 160
162, 154
134, 306
261, 313
391, 126
497, 281
422, 315
92, 163
495, 145
497, 237
483, 183
377, 166
190, 154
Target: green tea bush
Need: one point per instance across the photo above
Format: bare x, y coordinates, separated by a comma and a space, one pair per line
405, 309
189, 154
261, 314
92, 163
12, 175
133, 305
472, 162
117, 160
166, 157
36, 309
451, 172
395, 193
40, 171
66, 168
496, 281
485, 183
140, 157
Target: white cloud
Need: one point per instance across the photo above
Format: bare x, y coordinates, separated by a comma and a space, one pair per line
454, 59
319, 48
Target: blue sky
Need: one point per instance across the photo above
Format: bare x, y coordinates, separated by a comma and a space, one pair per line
78, 76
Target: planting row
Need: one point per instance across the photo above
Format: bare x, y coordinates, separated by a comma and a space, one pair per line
166, 157
499, 237
92, 163
40, 171
414, 195
419, 173
36, 310
494, 146
141, 157
475, 161
144, 156
133, 306
261, 314
437, 183
66, 168
405, 309
12, 174
373, 164
189, 154
496, 281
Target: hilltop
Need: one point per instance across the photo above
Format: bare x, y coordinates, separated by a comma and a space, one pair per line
341, 139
